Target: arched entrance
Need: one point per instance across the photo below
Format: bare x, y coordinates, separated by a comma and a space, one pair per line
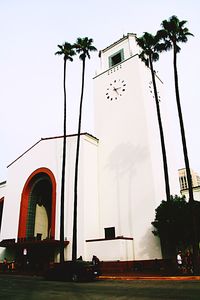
36, 232
39, 208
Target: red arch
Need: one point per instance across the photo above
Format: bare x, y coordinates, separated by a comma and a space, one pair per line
25, 198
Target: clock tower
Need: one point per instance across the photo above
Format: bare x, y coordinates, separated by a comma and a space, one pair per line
131, 179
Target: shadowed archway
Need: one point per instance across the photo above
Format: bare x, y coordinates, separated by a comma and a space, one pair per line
38, 202
36, 244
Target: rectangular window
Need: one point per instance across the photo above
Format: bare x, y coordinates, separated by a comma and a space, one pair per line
185, 182
1, 210
116, 58
109, 233
182, 182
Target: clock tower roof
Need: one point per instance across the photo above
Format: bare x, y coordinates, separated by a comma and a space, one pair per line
125, 37
117, 52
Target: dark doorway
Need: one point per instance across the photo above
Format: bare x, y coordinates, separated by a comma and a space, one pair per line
39, 208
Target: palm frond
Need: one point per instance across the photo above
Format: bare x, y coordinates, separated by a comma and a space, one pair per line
67, 50
58, 53
83, 46
60, 46
155, 56
161, 34
165, 46
177, 48
148, 43
172, 33
70, 58
182, 23
144, 58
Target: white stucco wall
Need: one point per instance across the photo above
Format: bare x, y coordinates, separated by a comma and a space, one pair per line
112, 250
88, 218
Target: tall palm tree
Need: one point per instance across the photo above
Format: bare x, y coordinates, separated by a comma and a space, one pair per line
148, 55
83, 47
173, 32
67, 51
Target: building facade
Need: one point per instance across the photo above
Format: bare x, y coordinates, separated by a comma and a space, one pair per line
184, 184
121, 180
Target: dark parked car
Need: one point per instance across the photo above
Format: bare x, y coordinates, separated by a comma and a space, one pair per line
71, 271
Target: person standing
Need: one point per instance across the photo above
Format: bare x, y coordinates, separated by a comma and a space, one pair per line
179, 259
188, 262
96, 263
5, 264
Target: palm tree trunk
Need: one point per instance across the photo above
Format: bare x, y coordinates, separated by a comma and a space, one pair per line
165, 166
187, 166
63, 174
195, 243
74, 243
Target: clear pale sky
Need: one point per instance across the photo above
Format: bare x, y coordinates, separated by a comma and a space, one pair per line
31, 95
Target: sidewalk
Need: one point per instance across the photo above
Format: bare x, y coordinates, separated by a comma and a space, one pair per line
147, 277
124, 276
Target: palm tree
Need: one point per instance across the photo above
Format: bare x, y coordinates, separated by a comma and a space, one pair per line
83, 47
148, 55
173, 32
67, 51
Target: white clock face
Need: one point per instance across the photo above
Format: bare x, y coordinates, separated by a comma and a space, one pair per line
115, 89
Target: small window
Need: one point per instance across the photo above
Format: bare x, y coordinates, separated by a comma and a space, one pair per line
109, 233
116, 58
1, 210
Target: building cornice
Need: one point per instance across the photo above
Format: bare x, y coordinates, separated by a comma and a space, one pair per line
194, 188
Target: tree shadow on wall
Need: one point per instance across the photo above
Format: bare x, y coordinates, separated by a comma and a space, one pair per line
126, 162
126, 157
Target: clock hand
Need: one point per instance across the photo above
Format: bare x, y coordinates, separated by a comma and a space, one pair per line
116, 90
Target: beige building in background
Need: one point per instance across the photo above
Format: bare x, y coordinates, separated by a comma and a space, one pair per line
184, 184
